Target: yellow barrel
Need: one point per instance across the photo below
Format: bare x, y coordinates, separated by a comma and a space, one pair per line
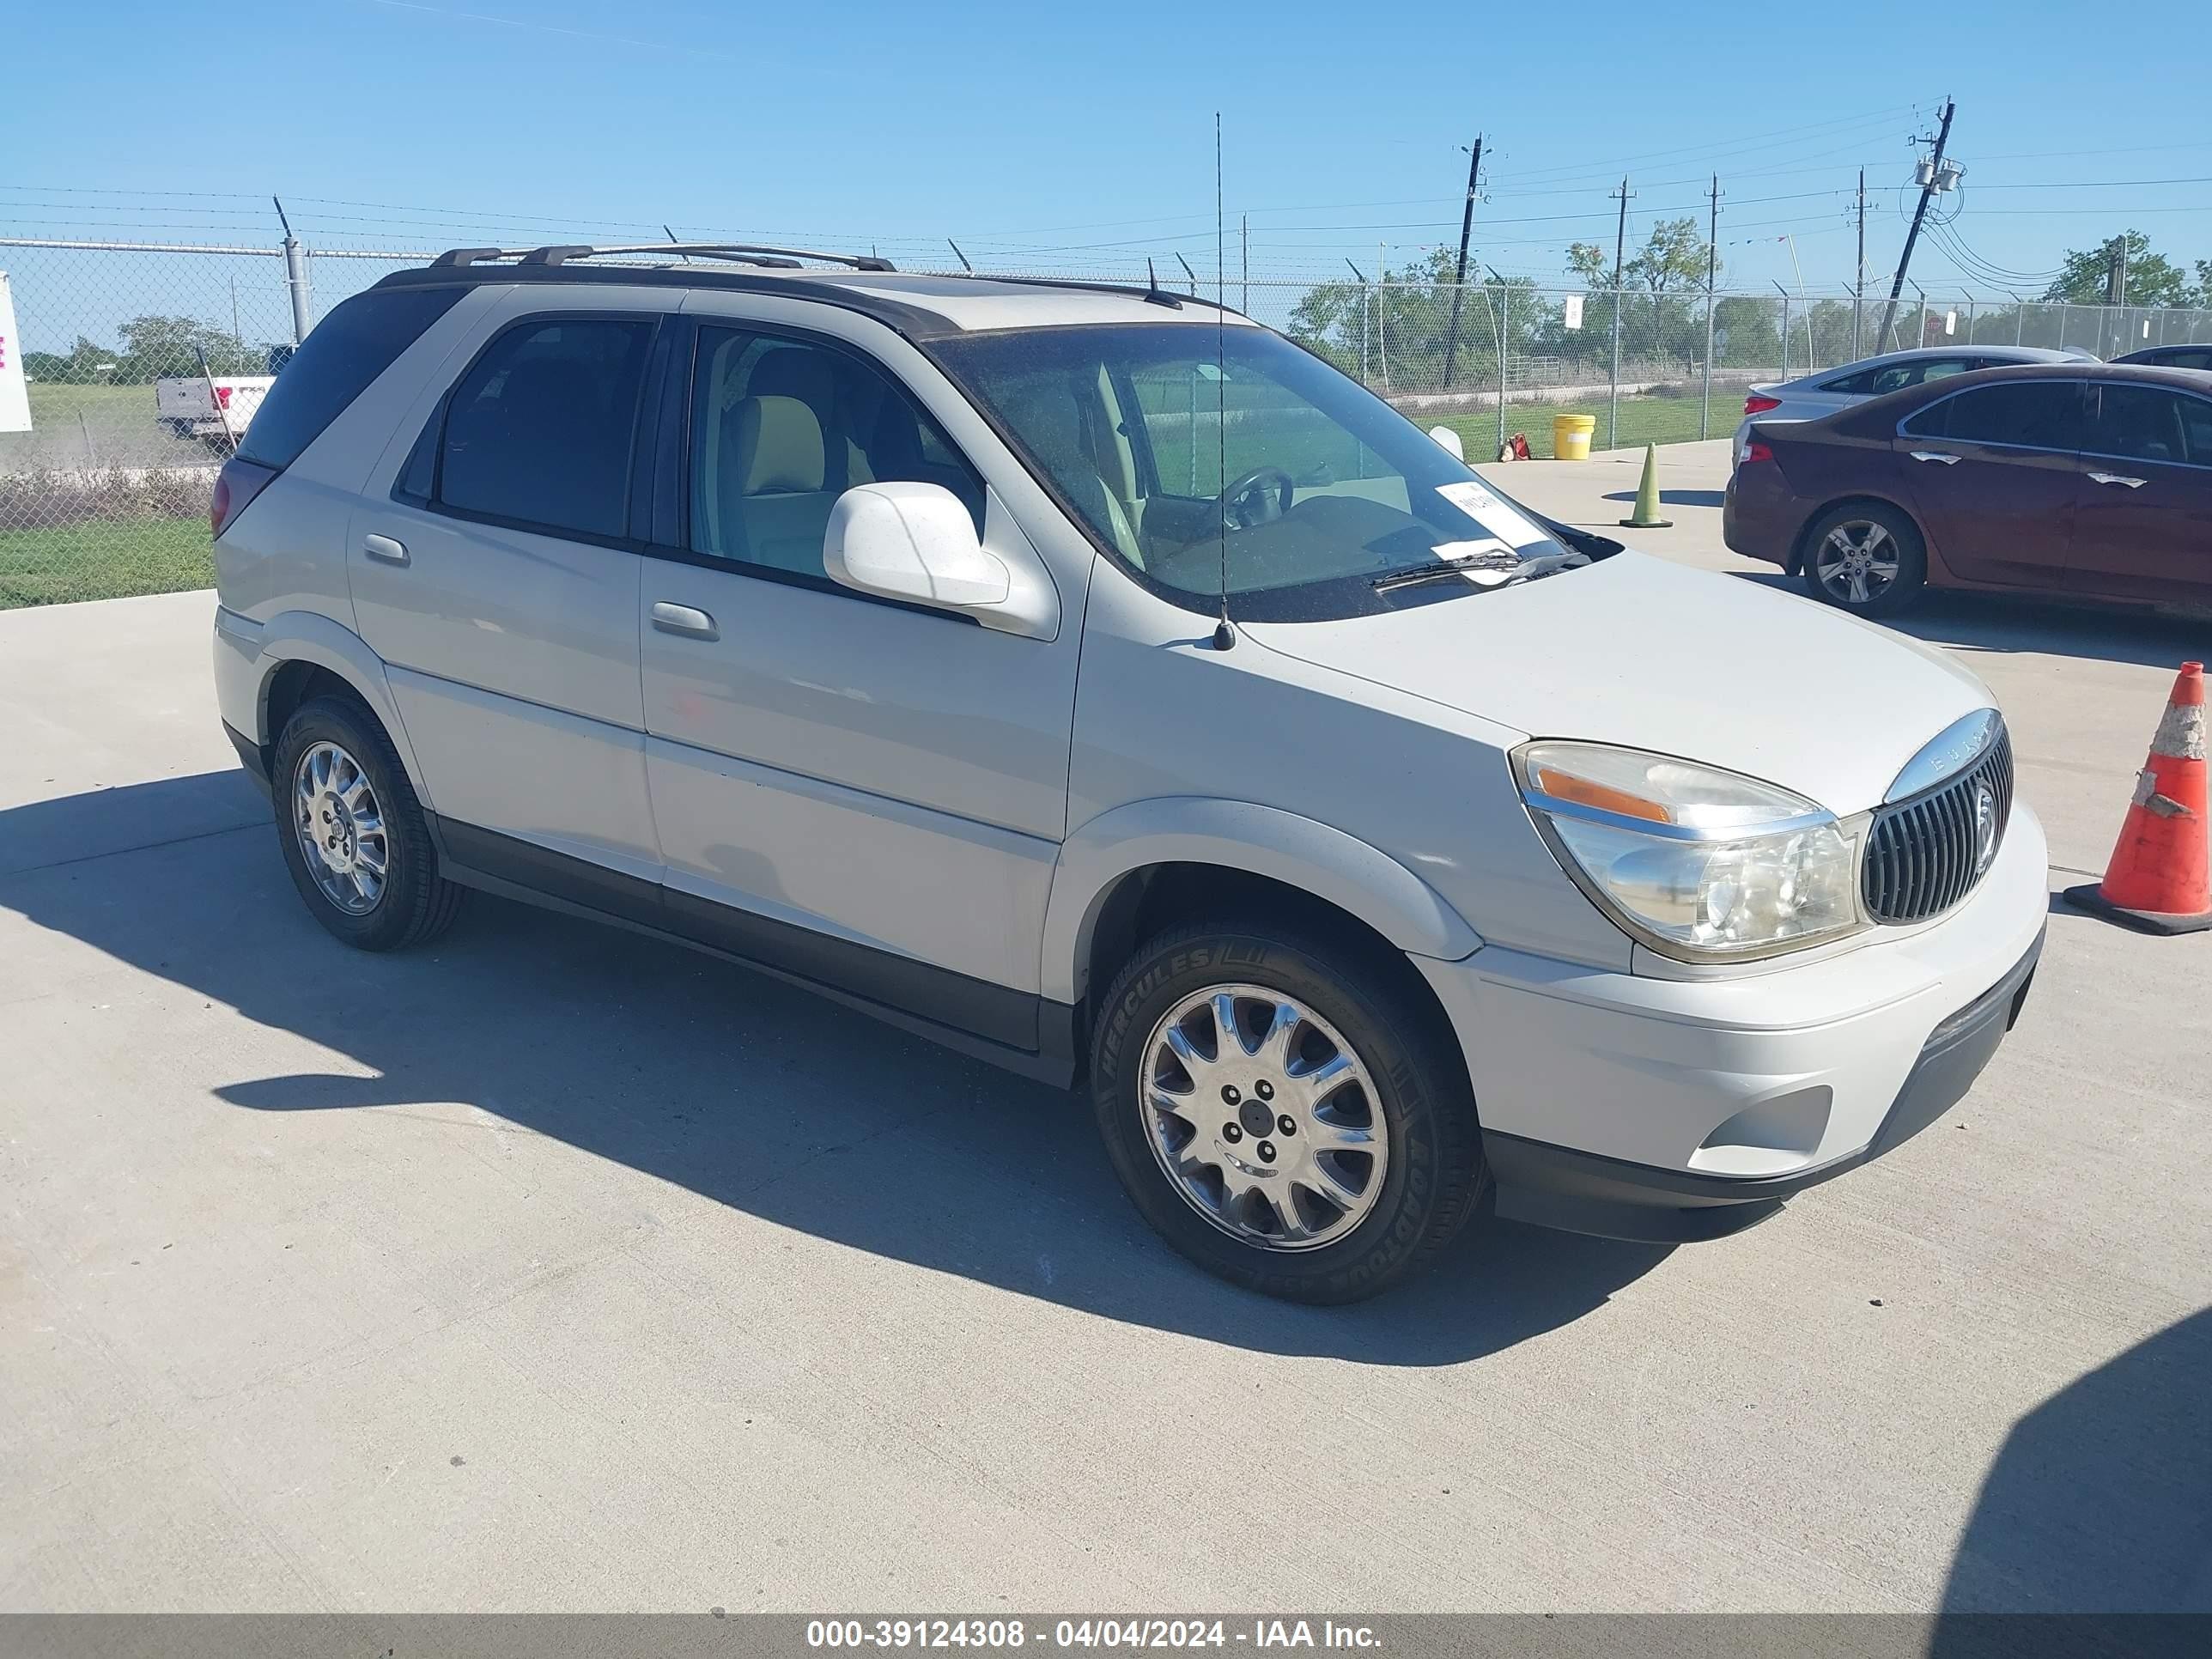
1571, 436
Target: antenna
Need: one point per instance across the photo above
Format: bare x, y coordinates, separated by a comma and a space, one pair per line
962, 258
671, 237
1224, 635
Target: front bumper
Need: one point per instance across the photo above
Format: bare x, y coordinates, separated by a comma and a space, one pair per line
1688, 1107
1586, 1193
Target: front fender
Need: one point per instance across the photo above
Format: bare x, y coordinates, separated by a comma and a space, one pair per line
309, 637
1264, 840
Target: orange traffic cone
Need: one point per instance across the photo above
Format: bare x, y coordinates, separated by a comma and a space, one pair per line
2158, 880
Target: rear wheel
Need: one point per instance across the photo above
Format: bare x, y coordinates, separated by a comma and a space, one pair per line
1865, 557
1282, 1111
354, 837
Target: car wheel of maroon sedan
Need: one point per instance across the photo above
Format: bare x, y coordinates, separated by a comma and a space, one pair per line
1865, 557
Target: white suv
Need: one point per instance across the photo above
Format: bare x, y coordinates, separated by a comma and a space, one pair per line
1095, 681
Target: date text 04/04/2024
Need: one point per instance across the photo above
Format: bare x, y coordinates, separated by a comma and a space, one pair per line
1087, 1633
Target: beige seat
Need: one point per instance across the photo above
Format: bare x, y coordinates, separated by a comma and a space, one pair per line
774, 504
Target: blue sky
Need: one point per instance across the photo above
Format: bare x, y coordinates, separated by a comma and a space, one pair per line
1082, 137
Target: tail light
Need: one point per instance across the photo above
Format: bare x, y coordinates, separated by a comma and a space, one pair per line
1756, 450
223, 397
1759, 403
236, 487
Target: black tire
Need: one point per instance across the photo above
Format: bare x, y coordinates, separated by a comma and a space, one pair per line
1904, 589
416, 903
1434, 1176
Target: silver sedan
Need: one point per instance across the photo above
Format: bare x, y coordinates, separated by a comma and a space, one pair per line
1826, 391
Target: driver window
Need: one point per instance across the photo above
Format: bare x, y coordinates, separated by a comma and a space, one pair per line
781, 427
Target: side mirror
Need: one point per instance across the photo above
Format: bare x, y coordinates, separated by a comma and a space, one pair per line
1449, 441
913, 542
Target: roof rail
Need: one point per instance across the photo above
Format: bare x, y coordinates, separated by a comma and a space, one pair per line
736, 253
1156, 296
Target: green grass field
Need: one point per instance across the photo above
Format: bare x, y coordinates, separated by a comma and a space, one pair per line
1643, 421
104, 559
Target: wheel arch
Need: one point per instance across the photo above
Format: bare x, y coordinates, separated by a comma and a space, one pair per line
1123, 869
304, 655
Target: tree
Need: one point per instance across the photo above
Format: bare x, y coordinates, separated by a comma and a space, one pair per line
2153, 279
155, 346
1413, 308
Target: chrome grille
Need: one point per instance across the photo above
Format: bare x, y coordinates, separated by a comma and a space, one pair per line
1920, 852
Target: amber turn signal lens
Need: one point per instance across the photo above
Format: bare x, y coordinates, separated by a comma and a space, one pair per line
1565, 786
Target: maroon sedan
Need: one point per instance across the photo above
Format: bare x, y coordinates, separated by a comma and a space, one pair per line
2093, 480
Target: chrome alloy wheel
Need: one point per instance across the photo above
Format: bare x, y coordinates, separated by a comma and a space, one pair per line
340, 825
1263, 1118
1856, 561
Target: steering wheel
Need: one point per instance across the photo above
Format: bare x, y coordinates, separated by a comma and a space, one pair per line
1243, 507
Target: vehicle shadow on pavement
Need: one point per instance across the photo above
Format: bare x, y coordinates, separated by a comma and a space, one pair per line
1999, 621
744, 1090
2100, 1499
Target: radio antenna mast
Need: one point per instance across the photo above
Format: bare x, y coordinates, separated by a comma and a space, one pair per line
1224, 635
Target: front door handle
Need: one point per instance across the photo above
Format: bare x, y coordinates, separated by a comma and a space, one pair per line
2118, 478
687, 620
384, 550
1934, 455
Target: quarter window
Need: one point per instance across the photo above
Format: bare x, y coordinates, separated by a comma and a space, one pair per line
539, 430
781, 428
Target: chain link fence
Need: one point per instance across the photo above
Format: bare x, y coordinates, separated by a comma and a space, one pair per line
144, 361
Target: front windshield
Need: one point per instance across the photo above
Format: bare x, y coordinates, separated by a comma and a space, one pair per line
1186, 448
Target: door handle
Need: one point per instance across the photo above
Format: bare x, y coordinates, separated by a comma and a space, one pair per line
384, 550
684, 619
1934, 455
2118, 478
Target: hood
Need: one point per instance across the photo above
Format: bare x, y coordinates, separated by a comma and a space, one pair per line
1649, 655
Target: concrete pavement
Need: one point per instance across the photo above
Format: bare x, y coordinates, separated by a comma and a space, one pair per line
553, 1268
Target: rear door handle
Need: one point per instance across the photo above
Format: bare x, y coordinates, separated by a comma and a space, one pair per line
684, 619
384, 550
1934, 455
2118, 478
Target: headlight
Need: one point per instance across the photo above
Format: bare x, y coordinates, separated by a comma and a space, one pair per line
1699, 863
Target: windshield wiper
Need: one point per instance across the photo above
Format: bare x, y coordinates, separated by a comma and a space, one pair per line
1433, 570
1512, 567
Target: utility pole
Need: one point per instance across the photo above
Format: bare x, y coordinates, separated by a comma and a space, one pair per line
1712, 281
1858, 287
2116, 289
1919, 213
1362, 275
1613, 387
1459, 278
1244, 245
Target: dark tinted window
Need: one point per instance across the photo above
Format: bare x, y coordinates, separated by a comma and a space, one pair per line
2025, 414
2150, 423
781, 428
348, 350
539, 429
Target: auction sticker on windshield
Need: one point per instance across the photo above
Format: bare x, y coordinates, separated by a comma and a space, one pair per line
1492, 515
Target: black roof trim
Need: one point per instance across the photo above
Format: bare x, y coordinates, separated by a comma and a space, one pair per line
751, 253
462, 266
912, 321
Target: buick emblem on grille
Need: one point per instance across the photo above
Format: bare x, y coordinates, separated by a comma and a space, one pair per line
1985, 827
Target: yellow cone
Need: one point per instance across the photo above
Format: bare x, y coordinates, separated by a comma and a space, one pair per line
1647, 495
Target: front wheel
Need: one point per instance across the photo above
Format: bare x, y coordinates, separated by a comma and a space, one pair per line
1866, 557
1283, 1112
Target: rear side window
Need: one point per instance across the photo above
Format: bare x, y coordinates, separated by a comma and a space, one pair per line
2021, 414
539, 430
348, 350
